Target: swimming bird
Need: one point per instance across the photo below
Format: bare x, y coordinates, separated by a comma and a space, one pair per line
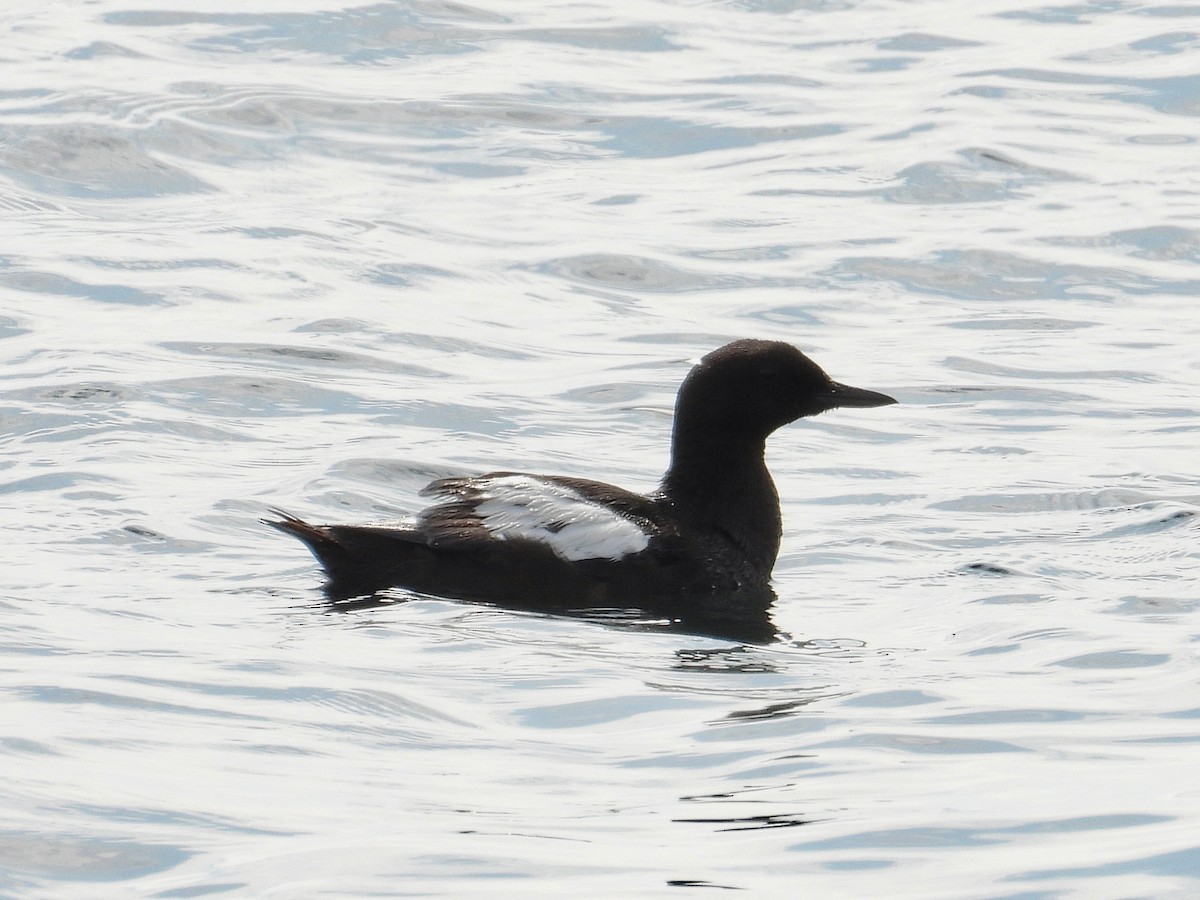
698, 551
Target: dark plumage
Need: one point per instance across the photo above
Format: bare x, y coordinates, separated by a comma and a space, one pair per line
698, 551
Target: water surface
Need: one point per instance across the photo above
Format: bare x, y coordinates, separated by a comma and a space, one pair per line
314, 256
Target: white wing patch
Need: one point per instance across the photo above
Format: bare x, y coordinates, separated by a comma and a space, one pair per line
574, 527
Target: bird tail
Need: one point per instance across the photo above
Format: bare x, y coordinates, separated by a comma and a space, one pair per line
318, 538
359, 559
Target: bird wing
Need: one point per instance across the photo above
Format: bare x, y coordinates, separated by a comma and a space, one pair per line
575, 519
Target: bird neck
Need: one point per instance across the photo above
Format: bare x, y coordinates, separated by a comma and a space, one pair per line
725, 486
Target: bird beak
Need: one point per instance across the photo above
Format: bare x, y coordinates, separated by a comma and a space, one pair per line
843, 395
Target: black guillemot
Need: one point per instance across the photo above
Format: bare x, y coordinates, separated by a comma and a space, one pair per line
698, 552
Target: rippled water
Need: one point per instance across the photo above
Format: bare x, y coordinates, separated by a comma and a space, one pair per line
300, 255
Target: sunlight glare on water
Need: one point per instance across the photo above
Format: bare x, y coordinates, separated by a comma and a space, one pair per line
309, 256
